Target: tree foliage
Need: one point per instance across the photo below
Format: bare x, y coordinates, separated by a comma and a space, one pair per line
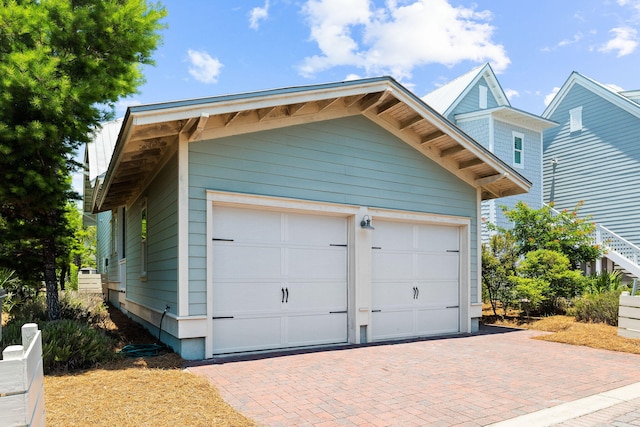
563, 232
499, 261
63, 66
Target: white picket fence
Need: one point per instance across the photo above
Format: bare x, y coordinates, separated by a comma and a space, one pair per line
629, 316
22, 381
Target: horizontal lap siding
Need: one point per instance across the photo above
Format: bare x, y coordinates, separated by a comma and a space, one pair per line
471, 102
532, 170
348, 161
599, 165
160, 287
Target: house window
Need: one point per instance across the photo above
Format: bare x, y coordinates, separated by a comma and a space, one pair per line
114, 232
143, 240
575, 119
518, 149
483, 97
122, 232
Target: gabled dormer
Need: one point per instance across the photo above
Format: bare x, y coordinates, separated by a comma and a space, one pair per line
478, 89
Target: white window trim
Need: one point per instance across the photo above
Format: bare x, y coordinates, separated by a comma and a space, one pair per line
575, 119
482, 98
515, 135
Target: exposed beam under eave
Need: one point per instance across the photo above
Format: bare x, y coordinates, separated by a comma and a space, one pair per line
470, 163
412, 121
199, 127
452, 151
371, 100
326, 103
490, 179
387, 106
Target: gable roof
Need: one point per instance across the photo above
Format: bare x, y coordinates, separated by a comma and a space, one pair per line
445, 98
627, 103
150, 133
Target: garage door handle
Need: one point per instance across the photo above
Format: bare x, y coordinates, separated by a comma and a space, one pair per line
222, 240
337, 312
287, 292
415, 290
452, 306
376, 311
282, 290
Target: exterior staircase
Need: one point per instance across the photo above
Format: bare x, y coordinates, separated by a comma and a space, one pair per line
621, 252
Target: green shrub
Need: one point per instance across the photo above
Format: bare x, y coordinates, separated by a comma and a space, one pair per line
75, 342
603, 282
67, 345
70, 345
73, 306
17, 294
598, 308
83, 307
33, 310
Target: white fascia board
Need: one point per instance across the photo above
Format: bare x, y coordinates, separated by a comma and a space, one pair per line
245, 102
530, 121
115, 159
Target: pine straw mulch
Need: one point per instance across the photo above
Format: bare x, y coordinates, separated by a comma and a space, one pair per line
566, 330
153, 391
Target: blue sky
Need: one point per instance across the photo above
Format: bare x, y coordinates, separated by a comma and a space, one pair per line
221, 47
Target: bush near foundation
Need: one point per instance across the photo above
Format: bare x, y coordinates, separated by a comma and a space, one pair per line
74, 342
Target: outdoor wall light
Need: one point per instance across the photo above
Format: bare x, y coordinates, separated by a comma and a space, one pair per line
366, 223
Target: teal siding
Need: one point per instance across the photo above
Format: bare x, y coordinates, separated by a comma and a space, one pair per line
599, 165
348, 161
471, 101
103, 240
159, 289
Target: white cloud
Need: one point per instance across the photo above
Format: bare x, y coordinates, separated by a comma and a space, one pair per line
352, 76
634, 4
550, 96
398, 37
511, 93
203, 67
624, 41
576, 38
565, 42
258, 14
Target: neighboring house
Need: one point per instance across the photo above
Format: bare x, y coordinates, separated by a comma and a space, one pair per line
594, 156
316, 215
476, 103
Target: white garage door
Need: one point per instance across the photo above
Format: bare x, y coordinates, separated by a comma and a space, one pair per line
279, 279
415, 289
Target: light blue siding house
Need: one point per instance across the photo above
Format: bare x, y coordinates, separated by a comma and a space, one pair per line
477, 104
594, 156
332, 214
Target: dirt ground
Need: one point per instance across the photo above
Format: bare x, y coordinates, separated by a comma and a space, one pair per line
153, 391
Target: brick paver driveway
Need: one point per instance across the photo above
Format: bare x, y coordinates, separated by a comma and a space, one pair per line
472, 380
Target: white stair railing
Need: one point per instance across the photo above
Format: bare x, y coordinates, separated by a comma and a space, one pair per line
619, 250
